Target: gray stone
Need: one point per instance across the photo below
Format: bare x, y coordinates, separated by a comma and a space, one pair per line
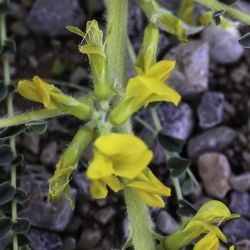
78, 75
225, 47
19, 28
241, 182
215, 172
216, 139
104, 215
89, 239
165, 222
27, 46
190, 76
210, 111
53, 216
41, 240
32, 142
238, 228
74, 225
243, 245
240, 203
50, 17
69, 243
49, 154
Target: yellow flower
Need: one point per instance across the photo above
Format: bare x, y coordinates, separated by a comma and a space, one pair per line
52, 98
206, 221
149, 188
59, 183
208, 242
120, 155
144, 89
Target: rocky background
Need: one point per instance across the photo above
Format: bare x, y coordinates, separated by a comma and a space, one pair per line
213, 119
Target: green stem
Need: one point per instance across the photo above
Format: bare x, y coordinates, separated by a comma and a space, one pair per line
117, 41
234, 13
38, 115
138, 215
7, 82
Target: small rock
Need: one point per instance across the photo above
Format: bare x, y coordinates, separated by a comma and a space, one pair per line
53, 216
239, 74
74, 225
215, 172
216, 139
241, 183
240, 203
104, 215
210, 111
41, 240
225, 47
238, 228
166, 223
19, 29
27, 46
69, 243
190, 76
78, 75
50, 17
49, 154
243, 245
89, 239
32, 142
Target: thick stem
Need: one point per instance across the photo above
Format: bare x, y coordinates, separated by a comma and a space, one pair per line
140, 224
7, 82
232, 12
117, 41
29, 117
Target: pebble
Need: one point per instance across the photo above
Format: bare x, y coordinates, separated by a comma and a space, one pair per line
241, 183
49, 18
165, 222
243, 245
240, 204
104, 215
190, 76
78, 75
216, 139
210, 111
214, 170
19, 28
89, 239
69, 243
49, 154
32, 142
238, 228
224, 46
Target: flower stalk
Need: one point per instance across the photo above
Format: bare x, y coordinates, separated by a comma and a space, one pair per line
7, 82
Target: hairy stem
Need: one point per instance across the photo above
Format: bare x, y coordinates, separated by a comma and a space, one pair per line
7, 82
232, 12
38, 115
117, 41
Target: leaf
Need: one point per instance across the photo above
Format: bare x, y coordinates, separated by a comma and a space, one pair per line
228, 2
21, 196
3, 92
186, 209
178, 166
5, 226
217, 15
187, 186
76, 31
9, 48
186, 11
39, 127
7, 193
169, 142
6, 154
12, 131
245, 40
22, 226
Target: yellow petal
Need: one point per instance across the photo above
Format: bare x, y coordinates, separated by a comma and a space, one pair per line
151, 200
208, 242
28, 90
100, 167
113, 182
98, 189
161, 70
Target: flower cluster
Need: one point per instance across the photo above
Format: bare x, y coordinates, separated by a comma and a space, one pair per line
205, 223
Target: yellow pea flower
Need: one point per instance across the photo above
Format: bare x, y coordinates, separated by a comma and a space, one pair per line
149, 188
59, 183
121, 155
206, 221
144, 89
208, 242
52, 98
